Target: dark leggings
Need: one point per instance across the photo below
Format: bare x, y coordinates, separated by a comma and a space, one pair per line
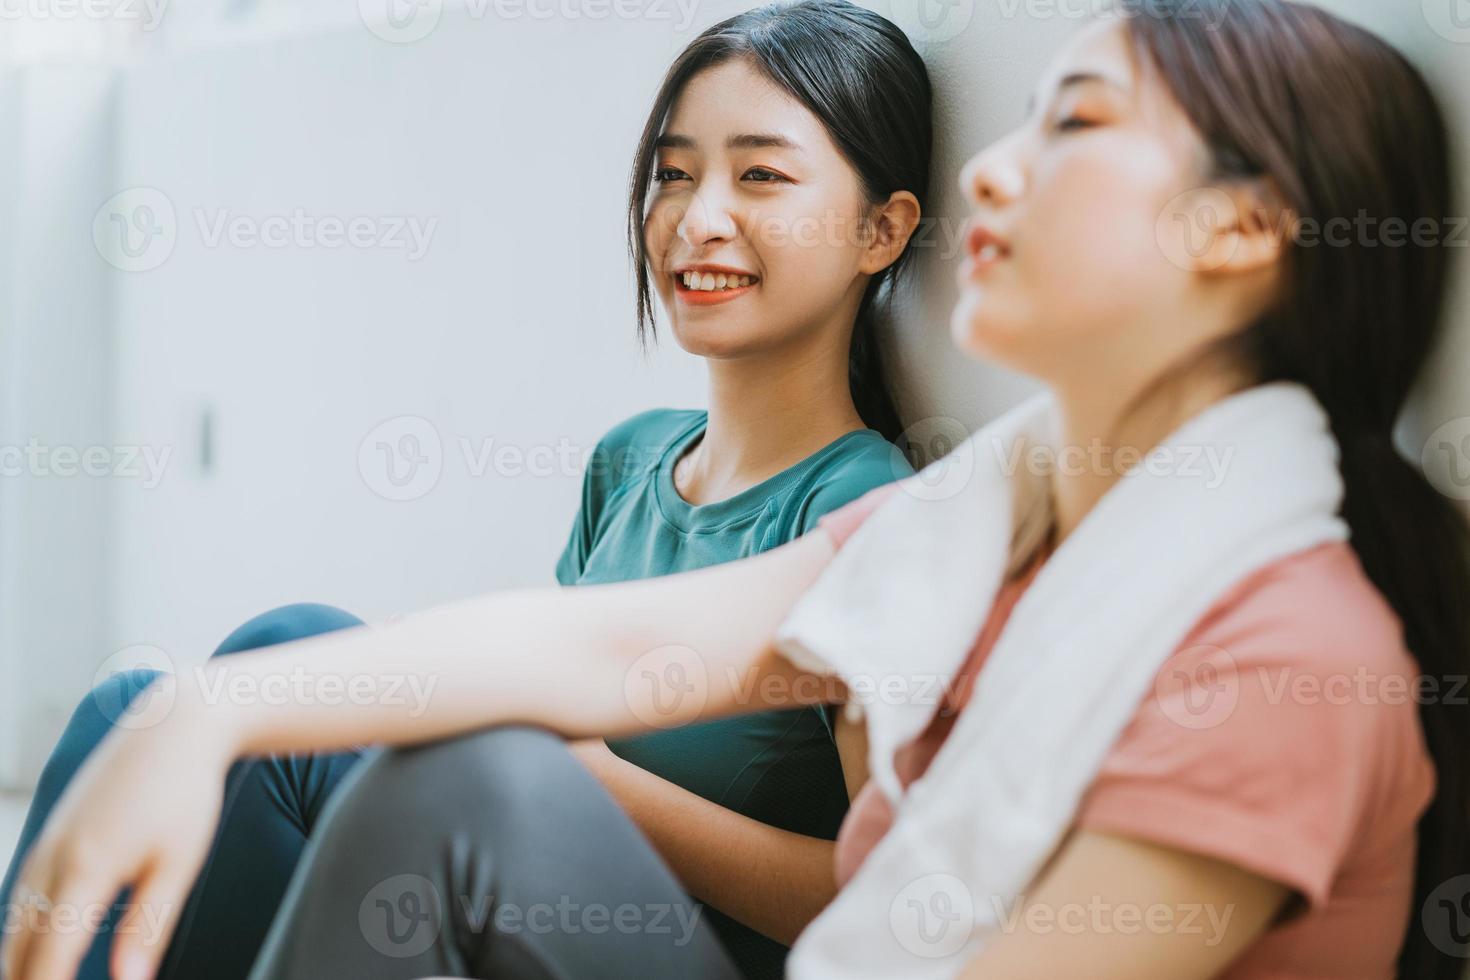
495, 854
270, 807
490, 855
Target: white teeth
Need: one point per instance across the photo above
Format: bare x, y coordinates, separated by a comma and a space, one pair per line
710, 281
989, 252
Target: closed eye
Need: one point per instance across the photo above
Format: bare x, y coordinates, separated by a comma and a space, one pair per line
1073, 123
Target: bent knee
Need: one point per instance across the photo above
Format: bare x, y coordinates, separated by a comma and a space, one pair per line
295, 621
105, 705
504, 768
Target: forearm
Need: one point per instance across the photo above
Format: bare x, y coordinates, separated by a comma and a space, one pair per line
591, 660
772, 880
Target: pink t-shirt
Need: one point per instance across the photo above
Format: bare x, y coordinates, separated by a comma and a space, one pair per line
1282, 736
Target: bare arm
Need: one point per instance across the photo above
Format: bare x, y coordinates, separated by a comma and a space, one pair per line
1111, 908
772, 880
769, 879
592, 660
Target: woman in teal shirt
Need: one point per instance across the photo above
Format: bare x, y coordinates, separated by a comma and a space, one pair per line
779, 183
751, 792
777, 186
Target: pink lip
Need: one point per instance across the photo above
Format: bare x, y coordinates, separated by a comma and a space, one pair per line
976, 241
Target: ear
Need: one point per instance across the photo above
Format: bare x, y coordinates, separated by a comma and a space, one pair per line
891, 225
1230, 229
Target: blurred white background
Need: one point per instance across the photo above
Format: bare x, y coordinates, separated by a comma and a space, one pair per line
274, 413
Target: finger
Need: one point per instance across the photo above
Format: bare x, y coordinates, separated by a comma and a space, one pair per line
26, 906
144, 933
58, 939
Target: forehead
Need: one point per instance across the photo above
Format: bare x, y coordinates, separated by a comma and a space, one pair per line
735, 97
1101, 48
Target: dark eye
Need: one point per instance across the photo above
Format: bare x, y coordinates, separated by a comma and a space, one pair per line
1072, 123
763, 176
662, 174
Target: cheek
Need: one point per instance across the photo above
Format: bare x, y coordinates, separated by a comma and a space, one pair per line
660, 228
1097, 240
1088, 265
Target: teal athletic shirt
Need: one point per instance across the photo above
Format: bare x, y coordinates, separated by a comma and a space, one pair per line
778, 767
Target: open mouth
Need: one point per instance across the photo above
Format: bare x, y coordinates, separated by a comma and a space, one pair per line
703, 287
709, 282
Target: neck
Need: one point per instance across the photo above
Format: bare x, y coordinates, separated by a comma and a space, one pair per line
1093, 424
767, 412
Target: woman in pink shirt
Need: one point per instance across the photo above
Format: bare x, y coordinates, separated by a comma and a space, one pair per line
1290, 798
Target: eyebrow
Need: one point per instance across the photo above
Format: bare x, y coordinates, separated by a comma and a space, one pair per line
740, 141
1078, 78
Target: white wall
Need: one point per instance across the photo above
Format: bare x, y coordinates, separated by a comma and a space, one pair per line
55, 381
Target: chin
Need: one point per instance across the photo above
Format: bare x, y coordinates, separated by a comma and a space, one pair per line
976, 327
727, 338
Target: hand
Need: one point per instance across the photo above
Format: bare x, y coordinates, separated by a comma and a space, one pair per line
141, 811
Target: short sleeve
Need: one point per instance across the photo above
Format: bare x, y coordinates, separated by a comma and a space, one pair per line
624, 450
579, 542
1256, 748
842, 522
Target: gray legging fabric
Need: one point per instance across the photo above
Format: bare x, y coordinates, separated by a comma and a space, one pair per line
491, 855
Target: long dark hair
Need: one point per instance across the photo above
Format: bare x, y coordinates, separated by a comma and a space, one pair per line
857, 73
1338, 124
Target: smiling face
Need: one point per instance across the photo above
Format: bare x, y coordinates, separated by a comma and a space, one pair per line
1071, 272
749, 185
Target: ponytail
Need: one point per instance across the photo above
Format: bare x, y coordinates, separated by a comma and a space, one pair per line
867, 372
1414, 547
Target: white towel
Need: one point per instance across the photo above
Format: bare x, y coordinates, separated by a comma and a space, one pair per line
1246, 482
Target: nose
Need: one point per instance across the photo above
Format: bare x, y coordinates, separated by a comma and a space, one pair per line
707, 219
994, 177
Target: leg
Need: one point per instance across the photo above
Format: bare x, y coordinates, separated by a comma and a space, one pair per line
491, 855
270, 807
